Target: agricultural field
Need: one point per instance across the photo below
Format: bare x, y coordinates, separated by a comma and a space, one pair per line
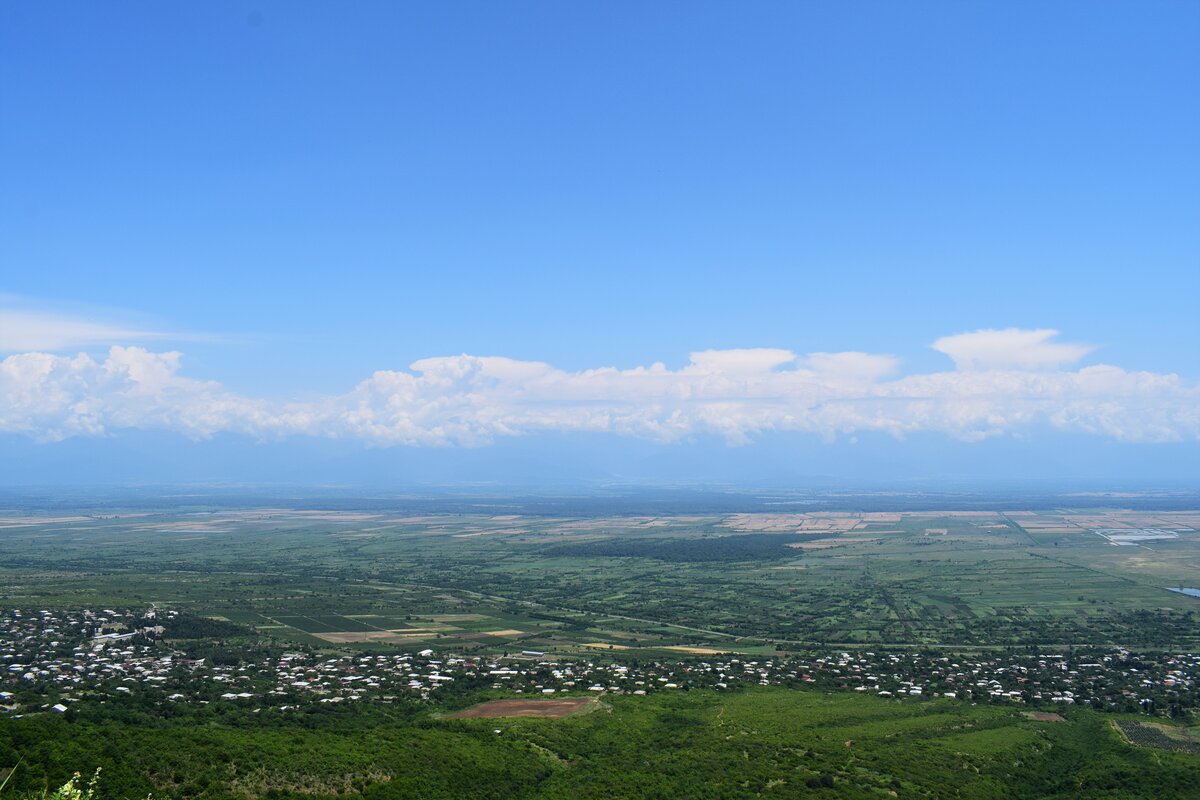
743, 583
1160, 735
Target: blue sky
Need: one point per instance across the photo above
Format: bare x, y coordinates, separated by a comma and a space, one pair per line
298, 195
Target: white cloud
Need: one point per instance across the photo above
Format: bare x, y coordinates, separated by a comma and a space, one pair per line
735, 394
51, 397
1011, 348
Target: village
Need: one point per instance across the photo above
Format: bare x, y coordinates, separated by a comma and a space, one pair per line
57, 661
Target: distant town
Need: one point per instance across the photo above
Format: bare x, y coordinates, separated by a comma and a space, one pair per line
55, 661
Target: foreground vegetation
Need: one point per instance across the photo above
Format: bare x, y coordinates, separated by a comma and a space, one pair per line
754, 743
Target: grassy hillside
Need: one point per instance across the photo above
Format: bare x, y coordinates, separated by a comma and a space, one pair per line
757, 743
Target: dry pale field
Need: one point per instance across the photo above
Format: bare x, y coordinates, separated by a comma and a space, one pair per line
606, 646
553, 709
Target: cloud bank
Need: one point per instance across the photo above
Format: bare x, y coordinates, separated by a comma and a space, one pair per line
1004, 382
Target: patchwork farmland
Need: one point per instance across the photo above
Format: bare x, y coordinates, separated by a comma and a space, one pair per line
748, 583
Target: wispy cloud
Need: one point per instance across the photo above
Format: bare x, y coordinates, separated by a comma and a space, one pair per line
1005, 382
24, 330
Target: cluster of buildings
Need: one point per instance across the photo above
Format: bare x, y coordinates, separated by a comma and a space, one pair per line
50, 660
1103, 678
